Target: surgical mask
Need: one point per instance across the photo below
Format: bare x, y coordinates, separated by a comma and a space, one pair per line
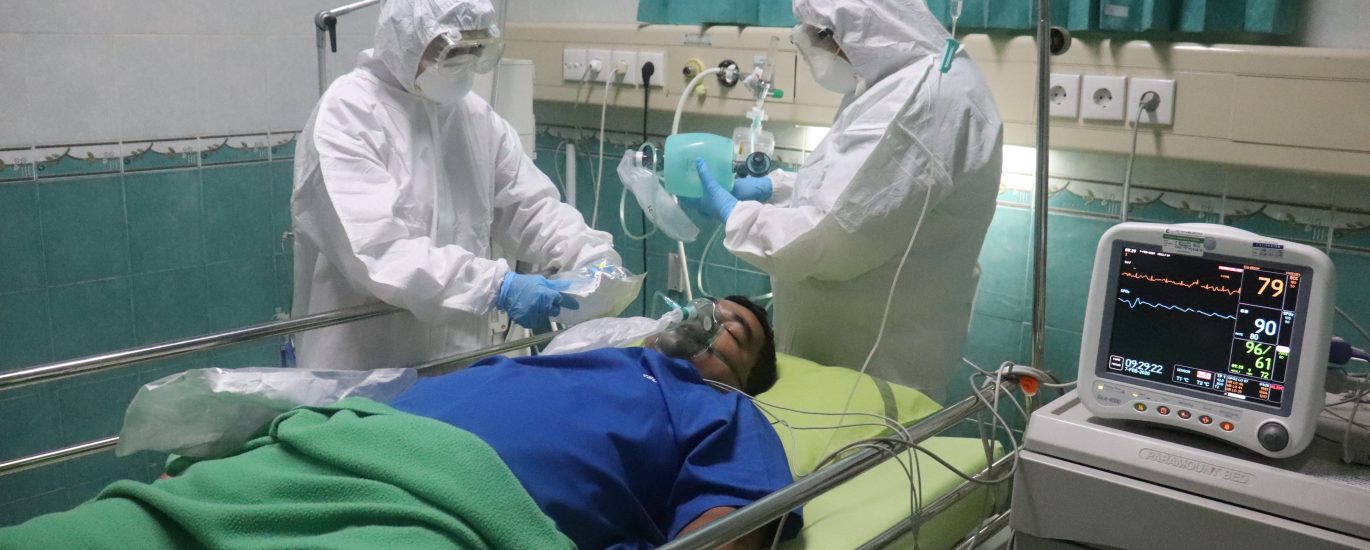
820, 52
445, 87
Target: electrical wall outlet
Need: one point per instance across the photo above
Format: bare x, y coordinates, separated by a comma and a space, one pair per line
601, 58
624, 63
1064, 95
658, 60
1164, 115
1103, 98
572, 63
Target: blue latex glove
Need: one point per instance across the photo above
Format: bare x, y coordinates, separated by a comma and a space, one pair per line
752, 188
531, 299
716, 202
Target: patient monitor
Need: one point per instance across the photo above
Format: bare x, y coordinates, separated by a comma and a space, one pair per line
1211, 329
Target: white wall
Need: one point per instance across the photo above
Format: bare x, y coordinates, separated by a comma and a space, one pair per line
80, 71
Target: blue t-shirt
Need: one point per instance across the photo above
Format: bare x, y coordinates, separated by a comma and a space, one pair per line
620, 447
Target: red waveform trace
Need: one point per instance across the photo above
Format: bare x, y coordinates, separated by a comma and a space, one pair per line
1192, 284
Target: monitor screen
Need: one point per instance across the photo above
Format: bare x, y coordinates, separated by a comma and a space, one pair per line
1216, 327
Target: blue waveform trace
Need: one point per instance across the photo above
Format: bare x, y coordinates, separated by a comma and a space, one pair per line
1135, 301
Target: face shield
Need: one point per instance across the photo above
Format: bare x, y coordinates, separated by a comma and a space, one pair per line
821, 51
449, 66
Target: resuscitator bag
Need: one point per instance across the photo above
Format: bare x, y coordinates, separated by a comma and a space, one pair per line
656, 203
610, 332
208, 413
602, 290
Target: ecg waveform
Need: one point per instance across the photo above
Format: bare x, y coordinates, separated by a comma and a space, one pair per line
1133, 303
1191, 284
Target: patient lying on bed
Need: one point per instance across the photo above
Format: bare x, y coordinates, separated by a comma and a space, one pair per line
627, 446
623, 448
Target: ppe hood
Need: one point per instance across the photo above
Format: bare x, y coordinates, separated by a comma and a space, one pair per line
406, 27
880, 37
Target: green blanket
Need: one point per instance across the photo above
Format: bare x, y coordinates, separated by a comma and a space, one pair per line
357, 474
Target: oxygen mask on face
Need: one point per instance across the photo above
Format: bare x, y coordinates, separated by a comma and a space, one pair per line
693, 333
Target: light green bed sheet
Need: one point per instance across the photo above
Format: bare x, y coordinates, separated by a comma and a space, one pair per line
867, 505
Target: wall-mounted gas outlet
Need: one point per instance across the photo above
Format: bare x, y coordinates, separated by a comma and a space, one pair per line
598, 59
1064, 95
1165, 112
572, 63
1103, 97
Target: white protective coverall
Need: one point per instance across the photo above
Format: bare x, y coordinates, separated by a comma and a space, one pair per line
833, 233
398, 199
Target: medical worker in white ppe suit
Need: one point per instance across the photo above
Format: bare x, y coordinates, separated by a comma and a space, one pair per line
912, 148
403, 180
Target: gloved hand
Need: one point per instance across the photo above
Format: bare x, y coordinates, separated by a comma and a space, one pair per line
531, 299
716, 202
752, 188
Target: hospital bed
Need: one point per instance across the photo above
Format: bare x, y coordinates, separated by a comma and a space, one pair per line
860, 500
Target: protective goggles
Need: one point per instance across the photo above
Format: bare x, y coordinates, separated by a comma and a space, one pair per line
477, 50
805, 35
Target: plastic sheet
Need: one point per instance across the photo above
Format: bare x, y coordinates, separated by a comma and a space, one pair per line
613, 332
602, 290
656, 203
206, 413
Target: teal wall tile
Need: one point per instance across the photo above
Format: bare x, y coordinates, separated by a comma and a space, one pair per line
285, 281
1004, 260
90, 318
1063, 353
148, 159
24, 322
282, 180
238, 210
31, 425
84, 234
1070, 261
21, 248
241, 293
170, 304
105, 468
991, 341
232, 150
164, 220
92, 405
1352, 296
266, 353
20, 511
62, 164
22, 486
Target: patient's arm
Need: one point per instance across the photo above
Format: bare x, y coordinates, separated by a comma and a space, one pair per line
759, 538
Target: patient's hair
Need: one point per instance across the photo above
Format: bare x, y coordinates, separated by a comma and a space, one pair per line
763, 373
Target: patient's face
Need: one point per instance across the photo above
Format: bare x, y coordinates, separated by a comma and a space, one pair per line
739, 345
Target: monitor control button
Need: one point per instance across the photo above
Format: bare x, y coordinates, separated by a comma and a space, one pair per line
1141, 407
1226, 426
1205, 420
1183, 414
1163, 410
1273, 437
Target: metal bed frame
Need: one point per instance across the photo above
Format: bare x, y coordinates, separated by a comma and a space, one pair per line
720, 532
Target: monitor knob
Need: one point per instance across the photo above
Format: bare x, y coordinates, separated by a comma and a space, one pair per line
1272, 436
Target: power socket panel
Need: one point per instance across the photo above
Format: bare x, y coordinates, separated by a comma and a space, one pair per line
1164, 115
627, 61
605, 64
572, 63
1064, 95
1103, 98
658, 60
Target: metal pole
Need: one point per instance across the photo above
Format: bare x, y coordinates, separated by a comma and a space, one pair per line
1039, 196
321, 38
321, 42
22, 463
993, 526
926, 513
173, 348
431, 368
772, 506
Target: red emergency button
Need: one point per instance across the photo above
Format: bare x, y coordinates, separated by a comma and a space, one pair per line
1163, 410
1226, 426
1183, 414
1205, 419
